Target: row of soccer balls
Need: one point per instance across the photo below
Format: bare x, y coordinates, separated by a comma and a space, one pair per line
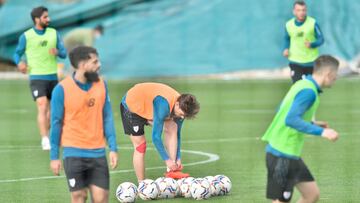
199, 188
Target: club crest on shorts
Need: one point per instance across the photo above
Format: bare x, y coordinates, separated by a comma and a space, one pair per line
36, 93
136, 128
72, 182
287, 195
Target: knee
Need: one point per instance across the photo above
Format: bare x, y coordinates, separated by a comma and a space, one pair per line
316, 195
79, 196
141, 148
313, 197
100, 198
42, 106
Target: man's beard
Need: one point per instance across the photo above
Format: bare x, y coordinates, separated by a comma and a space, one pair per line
44, 25
91, 76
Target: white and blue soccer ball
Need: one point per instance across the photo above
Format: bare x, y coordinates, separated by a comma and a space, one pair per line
168, 187
179, 182
215, 186
126, 192
148, 189
185, 186
225, 184
200, 189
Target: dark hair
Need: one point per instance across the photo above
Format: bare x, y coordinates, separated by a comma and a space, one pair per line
99, 28
37, 12
189, 104
299, 2
81, 53
324, 62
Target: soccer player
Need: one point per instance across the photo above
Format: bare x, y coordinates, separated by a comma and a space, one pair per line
285, 135
82, 123
165, 109
42, 45
302, 39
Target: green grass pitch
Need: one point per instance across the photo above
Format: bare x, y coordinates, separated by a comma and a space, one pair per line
233, 116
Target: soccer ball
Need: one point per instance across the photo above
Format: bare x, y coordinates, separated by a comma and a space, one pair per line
179, 182
148, 189
215, 186
225, 184
168, 187
185, 187
200, 189
126, 192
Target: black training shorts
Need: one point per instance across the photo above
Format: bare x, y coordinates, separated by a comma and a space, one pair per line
298, 71
82, 172
40, 88
133, 124
283, 175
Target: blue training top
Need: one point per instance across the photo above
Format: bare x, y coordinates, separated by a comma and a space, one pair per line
57, 116
302, 102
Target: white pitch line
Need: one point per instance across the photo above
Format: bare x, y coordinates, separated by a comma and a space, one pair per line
6, 148
211, 158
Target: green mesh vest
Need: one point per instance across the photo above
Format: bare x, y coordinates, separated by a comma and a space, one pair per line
298, 52
285, 139
39, 61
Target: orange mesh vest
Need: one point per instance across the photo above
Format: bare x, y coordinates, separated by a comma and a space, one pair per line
139, 98
83, 115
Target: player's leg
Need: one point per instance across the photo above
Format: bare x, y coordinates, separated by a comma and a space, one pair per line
98, 194
98, 178
39, 90
171, 144
139, 143
79, 196
306, 184
134, 126
75, 168
43, 105
170, 138
310, 192
49, 88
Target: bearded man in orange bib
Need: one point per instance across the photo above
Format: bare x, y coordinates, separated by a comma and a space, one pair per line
82, 124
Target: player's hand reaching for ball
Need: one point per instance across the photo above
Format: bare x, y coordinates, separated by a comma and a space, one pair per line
330, 134
55, 166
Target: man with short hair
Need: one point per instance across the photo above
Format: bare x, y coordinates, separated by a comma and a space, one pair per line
285, 135
302, 39
82, 123
165, 109
42, 45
